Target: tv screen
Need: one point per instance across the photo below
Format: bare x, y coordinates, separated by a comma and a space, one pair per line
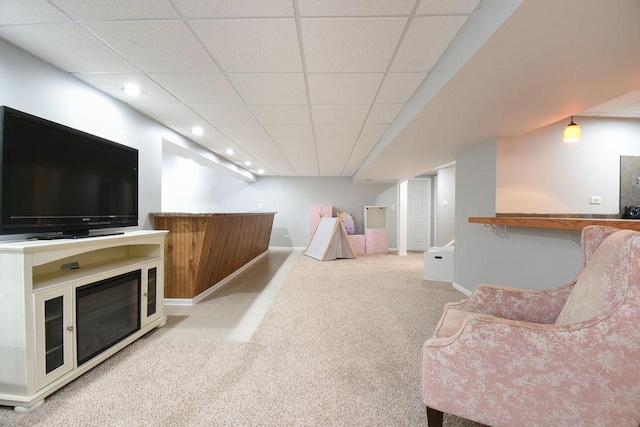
55, 179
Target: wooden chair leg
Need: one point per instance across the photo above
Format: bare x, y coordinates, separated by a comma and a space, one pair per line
434, 417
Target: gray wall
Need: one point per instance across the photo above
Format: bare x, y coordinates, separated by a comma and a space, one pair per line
445, 206
525, 258
36, 87
31, 85
291, 198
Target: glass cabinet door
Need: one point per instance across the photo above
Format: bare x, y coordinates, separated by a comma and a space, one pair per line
151, 293
54, 334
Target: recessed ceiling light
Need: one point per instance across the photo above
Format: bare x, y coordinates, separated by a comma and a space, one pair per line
229, 151
197, 130
247, 163
260, 171
132, 89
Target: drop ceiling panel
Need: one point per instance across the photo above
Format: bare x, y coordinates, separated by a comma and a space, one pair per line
99, 10
366, 143
355, 7
355, 160
211, 135
279, 81
251, 144
398, 87
270, 88
631, 110
356, 88
332, 168
416, 55
350, 45
156, 47
168, 112
223, 114
441, 7
281, 169
29, 12
67, 46
339, 114
337, 131
210, 88
373, 130
304, 163
242, 131
205, 9
383, 113
112, 84
341, 143
277, 162
252, 45
331, 161
290, 131
292, 145
614, 104
282, 114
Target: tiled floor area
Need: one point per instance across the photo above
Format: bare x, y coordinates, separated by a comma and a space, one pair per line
233, 312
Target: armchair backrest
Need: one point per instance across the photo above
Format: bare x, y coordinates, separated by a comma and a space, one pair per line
604, 279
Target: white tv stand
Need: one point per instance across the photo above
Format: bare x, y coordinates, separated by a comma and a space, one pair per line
38, 283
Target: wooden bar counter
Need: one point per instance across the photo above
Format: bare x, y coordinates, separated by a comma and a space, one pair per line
562, 223
204, 248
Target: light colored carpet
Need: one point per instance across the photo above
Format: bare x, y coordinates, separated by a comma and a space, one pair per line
340, 346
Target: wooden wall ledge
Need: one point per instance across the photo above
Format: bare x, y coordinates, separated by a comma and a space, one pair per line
559, 223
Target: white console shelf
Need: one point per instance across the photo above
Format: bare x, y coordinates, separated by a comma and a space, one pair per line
38, 283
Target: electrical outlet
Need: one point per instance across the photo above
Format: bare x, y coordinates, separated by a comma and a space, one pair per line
595, 200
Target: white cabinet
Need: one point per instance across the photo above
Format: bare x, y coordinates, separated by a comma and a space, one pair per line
67, 305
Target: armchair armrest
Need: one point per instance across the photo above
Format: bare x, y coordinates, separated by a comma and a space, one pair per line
537, 306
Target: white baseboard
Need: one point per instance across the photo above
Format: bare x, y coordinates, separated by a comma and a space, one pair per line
287, 248
465, 291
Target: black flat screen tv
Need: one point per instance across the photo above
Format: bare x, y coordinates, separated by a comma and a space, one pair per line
60, 182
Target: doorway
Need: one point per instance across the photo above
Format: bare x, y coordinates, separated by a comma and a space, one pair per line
419, 219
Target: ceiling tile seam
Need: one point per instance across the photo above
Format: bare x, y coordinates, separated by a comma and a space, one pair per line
224, 73
149, 77
384, 78
390, 16
114, 50
305, 74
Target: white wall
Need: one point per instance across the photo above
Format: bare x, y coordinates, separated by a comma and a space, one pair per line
539, 173
187, 185
291, 198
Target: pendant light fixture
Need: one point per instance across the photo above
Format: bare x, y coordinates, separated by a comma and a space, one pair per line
572, 132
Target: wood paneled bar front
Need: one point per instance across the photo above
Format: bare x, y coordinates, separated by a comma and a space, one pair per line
203, 249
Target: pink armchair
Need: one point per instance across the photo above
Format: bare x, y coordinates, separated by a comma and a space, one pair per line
568, 356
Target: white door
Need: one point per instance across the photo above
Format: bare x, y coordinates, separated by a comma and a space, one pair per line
419, 214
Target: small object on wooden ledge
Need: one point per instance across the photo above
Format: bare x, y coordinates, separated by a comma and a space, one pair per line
631, 212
